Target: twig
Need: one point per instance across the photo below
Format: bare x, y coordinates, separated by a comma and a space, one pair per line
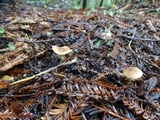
46, 71
137, 38
129, 45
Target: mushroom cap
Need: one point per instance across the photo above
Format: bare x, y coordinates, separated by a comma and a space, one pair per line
132, 73
61, 50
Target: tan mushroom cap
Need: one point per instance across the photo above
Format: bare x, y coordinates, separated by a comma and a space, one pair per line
61, 50
132, 73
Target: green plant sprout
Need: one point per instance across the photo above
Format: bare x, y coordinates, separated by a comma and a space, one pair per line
49, 33
2, 31
11, 46
26, 35
158, 10
98, 43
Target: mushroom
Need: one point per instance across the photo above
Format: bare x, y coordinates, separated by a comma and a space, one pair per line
132, 73
61, 50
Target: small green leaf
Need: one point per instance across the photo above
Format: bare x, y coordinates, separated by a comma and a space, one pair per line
26, 35
109, 43
11, 46
158, 10
49, 33
2, 31
88, 13
98, 43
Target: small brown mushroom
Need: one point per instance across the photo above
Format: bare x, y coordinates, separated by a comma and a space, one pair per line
132, 73
61, 50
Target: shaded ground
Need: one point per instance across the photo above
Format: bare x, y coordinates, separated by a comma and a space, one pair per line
86, 84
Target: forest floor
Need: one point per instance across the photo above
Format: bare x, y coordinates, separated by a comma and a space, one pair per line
87, 83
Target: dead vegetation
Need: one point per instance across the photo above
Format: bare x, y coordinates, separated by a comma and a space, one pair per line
87, 83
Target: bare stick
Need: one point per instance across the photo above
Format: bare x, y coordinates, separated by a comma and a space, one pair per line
46, 71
